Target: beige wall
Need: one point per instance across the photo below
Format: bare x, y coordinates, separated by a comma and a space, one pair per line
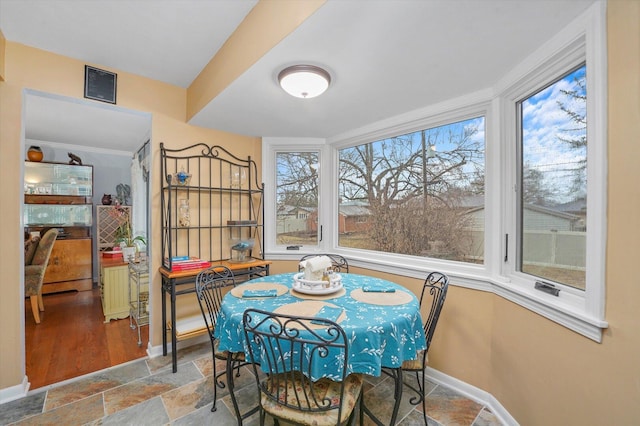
542, 373
38, 70
264, 27
3, 43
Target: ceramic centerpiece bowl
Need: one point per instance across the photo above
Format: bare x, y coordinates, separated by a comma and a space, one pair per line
329, 283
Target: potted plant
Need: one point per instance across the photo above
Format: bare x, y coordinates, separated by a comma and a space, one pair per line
124, 234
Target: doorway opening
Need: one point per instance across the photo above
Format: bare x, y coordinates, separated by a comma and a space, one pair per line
74, 337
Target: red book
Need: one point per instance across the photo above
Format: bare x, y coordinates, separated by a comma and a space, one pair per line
112, 254
185, 266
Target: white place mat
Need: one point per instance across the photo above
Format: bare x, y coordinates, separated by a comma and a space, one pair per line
307, 308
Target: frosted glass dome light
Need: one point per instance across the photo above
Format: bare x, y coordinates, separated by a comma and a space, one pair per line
304, 81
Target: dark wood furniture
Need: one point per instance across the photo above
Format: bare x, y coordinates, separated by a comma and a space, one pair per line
59, 195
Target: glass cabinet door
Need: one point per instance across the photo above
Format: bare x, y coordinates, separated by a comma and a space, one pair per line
57, 179
58, 214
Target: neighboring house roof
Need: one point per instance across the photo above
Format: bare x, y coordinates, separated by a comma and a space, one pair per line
551, 211
476, 202
284, 210
578, 206
353, 210
471, 201
538, 209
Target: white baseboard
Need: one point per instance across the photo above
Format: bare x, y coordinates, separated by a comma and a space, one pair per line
474, 393
15, 392
156, 351
480, 396
435, 376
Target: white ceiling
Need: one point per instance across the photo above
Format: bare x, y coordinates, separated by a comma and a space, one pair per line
386, 57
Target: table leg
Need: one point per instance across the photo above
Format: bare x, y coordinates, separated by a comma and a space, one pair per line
174, 339
164, 316
396, 374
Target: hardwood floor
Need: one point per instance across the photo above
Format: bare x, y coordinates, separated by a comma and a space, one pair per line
72, 338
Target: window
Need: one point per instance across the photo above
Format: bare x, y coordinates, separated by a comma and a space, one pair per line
552, 205
420, 193
492, 188
297, 198
554, 156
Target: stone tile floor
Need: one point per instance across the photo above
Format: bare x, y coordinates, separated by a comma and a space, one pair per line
146, 392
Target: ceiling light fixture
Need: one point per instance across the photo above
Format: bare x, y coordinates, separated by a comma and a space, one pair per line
304, 81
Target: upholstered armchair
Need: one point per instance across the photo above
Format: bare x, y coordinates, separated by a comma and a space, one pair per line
35, 265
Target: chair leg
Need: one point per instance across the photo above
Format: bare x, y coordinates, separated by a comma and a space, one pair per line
40, 301
215, 376
424, 398
34, 308
399, 384
215, 386
231, 386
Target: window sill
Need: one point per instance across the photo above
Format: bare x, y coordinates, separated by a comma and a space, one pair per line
571, 316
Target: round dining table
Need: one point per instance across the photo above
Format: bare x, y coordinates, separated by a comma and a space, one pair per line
381, 319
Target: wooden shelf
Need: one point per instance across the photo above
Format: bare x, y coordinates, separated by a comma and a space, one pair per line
234, 266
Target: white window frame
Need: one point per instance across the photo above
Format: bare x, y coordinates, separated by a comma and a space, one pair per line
584, 40
270, 148
470, 275
471, 106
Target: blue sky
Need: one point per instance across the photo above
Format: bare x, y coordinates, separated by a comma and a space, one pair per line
543, 123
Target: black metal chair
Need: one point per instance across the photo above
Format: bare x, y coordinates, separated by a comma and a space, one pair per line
434, 292
338, 263
288, 346
210, 284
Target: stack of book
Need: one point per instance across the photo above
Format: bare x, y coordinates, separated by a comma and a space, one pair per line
109, 254
185, 263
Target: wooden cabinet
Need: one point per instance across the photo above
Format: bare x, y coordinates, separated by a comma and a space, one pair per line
69, 266
114, 288
59, 195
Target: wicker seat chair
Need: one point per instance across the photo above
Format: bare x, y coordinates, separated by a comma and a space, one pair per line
210, 286
434, 293
287, 347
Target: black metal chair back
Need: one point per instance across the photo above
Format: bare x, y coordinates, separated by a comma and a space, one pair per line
210, 284
434, 291
338, 263
287, 347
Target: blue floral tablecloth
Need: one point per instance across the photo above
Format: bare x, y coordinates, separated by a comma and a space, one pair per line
378, 335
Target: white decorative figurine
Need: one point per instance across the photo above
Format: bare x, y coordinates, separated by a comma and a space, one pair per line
315, 267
